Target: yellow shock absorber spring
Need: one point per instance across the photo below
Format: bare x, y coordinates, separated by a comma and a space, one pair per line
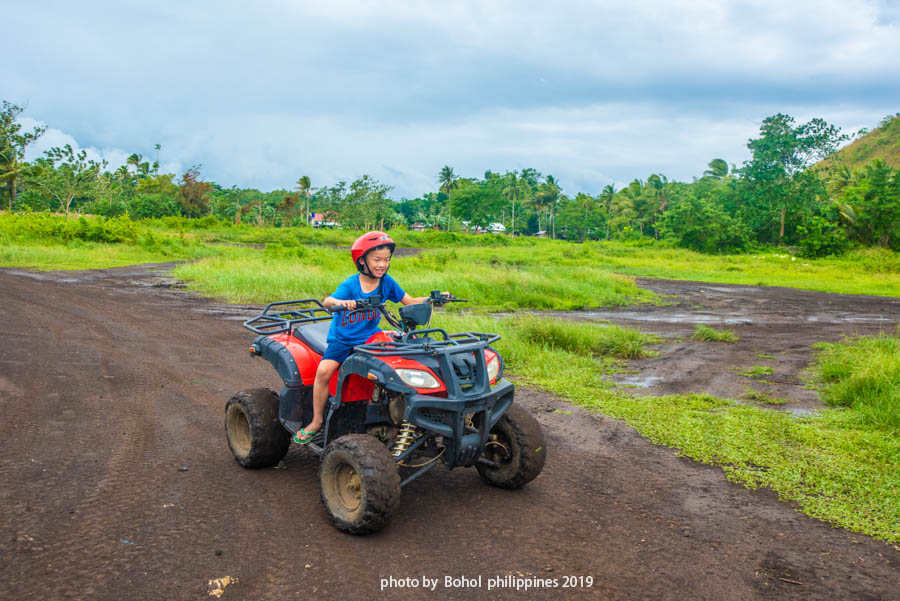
405, 437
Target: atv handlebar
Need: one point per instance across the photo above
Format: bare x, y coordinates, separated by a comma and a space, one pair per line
362, 304
436, 298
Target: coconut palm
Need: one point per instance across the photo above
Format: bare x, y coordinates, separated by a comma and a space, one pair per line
718, 169
12, 146
135, 159
448, 181
606, 197
304, 188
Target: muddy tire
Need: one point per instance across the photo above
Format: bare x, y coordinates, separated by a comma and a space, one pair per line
360, 485
517, 448
255, 436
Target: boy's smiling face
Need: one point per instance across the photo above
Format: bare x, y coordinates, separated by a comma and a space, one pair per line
378, 261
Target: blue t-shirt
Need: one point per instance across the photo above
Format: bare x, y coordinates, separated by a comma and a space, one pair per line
355, 327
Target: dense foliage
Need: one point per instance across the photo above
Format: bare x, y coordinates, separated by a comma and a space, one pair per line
783, 195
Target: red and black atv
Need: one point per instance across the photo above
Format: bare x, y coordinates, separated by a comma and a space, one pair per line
400, 404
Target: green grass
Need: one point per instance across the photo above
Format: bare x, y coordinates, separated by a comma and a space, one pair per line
45, 242
585, 338
708, 334
871, 271
763, 397
863, 374
757, 371
251, 276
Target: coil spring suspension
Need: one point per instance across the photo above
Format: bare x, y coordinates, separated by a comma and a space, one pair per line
405, 437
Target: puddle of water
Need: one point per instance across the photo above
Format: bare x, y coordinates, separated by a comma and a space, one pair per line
666, 317
639, 380
802, 411
70, 281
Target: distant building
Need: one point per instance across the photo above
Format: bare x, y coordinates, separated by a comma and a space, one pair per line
318, 220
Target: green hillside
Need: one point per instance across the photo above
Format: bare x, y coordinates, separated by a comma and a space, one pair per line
882, 143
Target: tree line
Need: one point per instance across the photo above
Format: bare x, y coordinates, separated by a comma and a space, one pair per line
782, 195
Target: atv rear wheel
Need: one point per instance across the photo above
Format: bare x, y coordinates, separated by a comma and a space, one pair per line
516, 448
255, 436
360, 485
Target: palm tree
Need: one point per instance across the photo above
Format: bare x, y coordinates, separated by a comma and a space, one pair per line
12, 146
10, 168
516, 188
606, 197
135, 159
303, 187
448, 180
718, 169
545, 199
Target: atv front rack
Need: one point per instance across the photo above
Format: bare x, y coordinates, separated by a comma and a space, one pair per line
417, 342
276, 322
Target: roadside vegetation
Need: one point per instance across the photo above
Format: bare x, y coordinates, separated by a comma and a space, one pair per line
863, 374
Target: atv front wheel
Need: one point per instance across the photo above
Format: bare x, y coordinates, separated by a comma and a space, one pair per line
360, 485
255, 436
515, 449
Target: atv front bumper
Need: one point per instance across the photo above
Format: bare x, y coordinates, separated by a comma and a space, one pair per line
464, 423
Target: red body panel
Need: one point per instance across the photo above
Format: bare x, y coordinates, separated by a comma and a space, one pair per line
307, 361
356, 388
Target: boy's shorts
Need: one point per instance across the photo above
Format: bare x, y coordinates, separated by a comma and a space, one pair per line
337, 351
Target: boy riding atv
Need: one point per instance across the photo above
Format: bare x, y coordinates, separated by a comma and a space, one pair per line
380, 408
371, 254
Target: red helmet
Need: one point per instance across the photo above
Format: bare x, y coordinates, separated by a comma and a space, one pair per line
366, 244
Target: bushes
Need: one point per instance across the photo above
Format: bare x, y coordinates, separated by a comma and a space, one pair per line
699, 225
52, 228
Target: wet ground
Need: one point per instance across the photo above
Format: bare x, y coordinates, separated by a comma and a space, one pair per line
118, 483
776, 327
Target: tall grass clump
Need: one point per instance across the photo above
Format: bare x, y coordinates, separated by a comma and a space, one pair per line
863, 374
707, 334
585, 338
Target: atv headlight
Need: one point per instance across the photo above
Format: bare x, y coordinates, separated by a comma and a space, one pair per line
418, 378
493, 367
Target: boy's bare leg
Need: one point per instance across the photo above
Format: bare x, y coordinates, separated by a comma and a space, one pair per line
320, 395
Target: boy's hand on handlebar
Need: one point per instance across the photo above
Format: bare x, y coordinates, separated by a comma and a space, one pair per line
340, 305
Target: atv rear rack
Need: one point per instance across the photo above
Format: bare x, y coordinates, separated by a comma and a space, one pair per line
277, 322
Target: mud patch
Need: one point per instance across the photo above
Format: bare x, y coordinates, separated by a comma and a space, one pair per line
777, 328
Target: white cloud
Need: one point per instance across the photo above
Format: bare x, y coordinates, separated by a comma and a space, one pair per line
261, 93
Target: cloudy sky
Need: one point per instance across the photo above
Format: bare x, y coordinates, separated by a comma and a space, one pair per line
594, 93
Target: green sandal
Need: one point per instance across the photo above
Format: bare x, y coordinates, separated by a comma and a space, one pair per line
311, 434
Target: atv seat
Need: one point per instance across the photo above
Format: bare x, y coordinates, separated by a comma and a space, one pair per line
315, 335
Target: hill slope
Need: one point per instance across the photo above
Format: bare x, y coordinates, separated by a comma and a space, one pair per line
882, 143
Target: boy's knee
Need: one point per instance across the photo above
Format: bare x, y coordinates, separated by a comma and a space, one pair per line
325, 370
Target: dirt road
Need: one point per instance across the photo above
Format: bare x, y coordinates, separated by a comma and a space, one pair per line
117, 484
